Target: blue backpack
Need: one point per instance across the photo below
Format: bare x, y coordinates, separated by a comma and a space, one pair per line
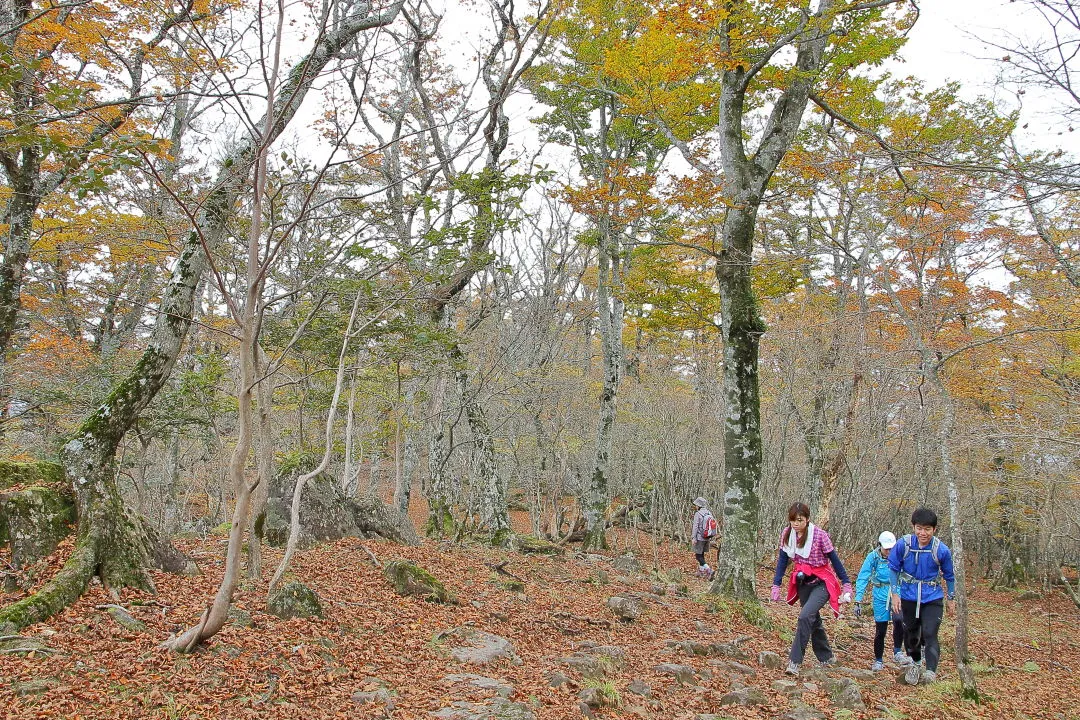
911, 545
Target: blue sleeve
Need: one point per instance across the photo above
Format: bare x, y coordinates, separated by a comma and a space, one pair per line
864, 576
895, 556
947, 569
781, 566
834, 558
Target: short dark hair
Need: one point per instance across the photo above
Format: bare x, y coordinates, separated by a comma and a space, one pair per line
924, 516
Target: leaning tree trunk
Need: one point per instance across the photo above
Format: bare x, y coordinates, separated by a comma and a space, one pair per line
741, 329
282, 106
610, 310
112, 542
328, 447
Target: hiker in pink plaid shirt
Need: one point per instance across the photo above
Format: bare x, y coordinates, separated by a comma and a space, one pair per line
812, 583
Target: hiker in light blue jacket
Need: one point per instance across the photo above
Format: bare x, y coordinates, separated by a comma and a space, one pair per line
876, 574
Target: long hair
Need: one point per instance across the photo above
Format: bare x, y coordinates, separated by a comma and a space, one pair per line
797, 510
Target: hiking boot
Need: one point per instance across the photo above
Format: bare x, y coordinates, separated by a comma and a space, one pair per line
914, 672
792, 668
828, 662
877, 666
928, 677
901, 658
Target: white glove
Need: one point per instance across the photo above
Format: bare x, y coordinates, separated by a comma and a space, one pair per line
845, 598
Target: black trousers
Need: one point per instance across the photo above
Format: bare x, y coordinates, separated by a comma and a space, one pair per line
923, 630
882, 628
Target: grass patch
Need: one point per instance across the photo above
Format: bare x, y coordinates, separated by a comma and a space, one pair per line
607, 692
751, 611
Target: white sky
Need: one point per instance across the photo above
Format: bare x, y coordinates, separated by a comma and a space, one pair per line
947, 44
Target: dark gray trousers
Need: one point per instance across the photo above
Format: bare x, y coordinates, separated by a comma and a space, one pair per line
811, 628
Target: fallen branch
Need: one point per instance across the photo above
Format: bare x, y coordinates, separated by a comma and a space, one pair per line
32, 649
579, 618
371, 556
1073, 593
501, 569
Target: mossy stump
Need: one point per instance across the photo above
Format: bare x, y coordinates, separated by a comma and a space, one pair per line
294, 599
411, 580
532, 545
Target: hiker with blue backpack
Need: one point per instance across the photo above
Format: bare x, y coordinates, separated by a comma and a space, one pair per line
875, 573
702, 532
916, 564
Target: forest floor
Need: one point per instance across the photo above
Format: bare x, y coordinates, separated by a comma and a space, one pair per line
1025, 646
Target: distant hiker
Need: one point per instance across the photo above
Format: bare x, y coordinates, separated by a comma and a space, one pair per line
703, 531
915, 563
808, 547
875, 573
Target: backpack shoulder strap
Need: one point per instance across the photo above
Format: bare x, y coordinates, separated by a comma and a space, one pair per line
907, 547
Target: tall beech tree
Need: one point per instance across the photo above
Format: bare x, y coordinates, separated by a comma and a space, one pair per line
733, 80
617, 154
489, 196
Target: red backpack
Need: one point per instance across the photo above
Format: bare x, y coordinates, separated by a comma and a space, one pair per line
710, 528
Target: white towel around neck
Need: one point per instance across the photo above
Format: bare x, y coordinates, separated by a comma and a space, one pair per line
804, 551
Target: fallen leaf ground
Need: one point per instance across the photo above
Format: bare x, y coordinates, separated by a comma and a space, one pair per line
1027, 651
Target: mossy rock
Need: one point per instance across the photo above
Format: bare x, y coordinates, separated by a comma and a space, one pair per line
294, 599
532, 545
411, 580
36, 473
34, 521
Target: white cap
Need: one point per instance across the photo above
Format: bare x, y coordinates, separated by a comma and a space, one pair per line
700, 502
886, 539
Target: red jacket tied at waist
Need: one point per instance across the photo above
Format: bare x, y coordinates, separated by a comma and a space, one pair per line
832, 584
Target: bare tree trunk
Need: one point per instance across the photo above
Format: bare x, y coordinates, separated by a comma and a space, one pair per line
494, 515
610, 307
264, 461
349, 480
410, 457
443, 490
956, 517
328, 446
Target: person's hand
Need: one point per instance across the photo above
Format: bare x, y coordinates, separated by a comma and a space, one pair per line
845, 593
896, 604
775, 594
858, 609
